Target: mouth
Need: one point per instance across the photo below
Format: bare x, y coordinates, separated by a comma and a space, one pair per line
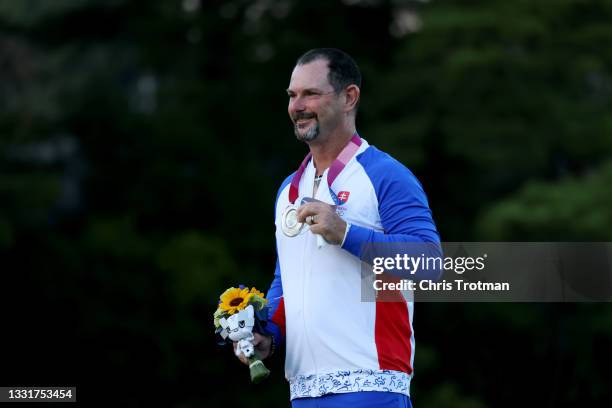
303, 122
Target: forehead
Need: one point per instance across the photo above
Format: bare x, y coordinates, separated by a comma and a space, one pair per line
311, 75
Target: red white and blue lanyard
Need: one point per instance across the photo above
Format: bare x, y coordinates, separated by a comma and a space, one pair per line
334, 170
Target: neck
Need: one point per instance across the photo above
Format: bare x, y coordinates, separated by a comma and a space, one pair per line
324, 152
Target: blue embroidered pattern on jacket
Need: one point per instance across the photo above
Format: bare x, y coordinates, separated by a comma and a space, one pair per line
315, 385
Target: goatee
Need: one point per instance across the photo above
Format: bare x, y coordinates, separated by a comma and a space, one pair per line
310, 135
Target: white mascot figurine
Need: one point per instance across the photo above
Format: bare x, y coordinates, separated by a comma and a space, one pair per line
239, 327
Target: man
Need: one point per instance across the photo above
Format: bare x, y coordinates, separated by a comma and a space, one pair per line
340, 351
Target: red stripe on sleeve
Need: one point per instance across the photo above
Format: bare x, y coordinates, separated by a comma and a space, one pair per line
279, 316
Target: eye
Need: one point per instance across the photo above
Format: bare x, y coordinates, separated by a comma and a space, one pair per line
241, 324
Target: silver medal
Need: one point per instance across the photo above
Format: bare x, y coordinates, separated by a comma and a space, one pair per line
289, 222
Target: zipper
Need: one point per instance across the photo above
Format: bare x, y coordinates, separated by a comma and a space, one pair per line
306, 275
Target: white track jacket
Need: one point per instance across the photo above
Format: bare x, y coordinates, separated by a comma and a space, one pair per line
336, 343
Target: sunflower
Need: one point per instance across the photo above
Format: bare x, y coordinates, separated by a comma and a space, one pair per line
234, 299
257, 293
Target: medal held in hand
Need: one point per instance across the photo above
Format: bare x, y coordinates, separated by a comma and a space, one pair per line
241, 312
289, 221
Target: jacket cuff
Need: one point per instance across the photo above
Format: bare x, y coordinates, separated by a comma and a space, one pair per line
273, 329
355, 237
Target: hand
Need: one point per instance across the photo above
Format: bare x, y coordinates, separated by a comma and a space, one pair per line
262, 345
323, 220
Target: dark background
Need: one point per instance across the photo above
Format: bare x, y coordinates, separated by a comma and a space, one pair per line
142, 144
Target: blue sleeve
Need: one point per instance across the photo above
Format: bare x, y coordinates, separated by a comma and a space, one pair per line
402, 206
275, 295
276, 317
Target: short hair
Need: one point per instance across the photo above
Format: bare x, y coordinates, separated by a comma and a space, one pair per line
343, 71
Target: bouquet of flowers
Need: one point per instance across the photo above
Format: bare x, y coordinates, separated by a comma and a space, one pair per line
240, 312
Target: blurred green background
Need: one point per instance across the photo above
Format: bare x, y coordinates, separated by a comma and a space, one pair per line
142, 144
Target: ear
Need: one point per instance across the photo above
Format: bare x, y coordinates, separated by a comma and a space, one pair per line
352, 93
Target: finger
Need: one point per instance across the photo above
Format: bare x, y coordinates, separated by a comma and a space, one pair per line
311, 209
318, 229
306, 210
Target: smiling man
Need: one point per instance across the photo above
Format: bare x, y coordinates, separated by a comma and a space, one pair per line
340, 351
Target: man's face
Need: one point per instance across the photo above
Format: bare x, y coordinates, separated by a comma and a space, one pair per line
314, 107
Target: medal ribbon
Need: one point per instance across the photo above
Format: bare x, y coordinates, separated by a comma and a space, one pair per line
334, 170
